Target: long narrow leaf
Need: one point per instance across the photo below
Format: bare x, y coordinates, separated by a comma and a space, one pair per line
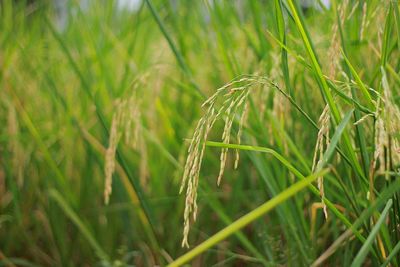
71, 214
359, 259
246, 219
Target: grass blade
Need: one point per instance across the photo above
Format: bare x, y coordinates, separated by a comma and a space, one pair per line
280, 21
71, 214
315, 64
324, 87
392, 254
359, 259
360, 84
217, 207
246, 219
178, 55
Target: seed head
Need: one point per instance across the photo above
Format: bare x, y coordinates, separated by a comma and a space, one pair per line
125, 122
233, 98
323, 135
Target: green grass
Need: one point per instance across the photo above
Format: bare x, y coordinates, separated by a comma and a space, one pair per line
62, 87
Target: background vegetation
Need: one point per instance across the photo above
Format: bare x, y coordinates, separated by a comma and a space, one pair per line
92, 91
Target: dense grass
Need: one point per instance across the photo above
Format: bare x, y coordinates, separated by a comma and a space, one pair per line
310, 104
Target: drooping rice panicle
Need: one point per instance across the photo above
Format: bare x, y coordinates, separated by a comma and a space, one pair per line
109, 165
125, 122
391, 124
233, 98
320, 146
243, 118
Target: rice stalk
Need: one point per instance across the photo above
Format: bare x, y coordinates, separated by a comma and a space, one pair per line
233, 98
391, 124
322, 143
386, 142
243, 119
125, 122
109, 165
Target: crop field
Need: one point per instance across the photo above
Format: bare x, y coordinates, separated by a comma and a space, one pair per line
199, 133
